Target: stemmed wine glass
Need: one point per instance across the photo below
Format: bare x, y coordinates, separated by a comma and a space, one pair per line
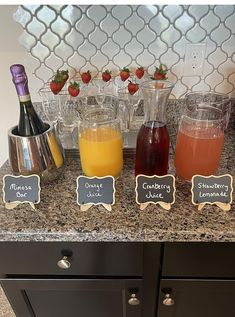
128, 104
69, 119
50, 104
98, 85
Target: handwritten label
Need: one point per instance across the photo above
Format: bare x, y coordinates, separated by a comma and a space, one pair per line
95, 190
212, 189
155, 190
21, 189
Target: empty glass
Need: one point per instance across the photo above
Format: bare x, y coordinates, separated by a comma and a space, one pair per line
200, 137
50, 104
128, 104
69, 118
98, 90
51, 110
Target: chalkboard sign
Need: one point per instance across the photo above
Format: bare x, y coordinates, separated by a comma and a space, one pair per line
21, 189
156, 190
96, 191
212, 190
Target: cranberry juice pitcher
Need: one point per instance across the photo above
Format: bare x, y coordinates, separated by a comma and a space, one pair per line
152, 148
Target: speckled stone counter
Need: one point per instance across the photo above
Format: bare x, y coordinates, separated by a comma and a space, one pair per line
58, 217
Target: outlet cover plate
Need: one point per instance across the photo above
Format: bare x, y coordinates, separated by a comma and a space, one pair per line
194, 59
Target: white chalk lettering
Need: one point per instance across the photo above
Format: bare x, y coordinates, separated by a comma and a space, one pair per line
213, 186
90, 194
21, 195
20, 187
95, 186
221, 194
157, 186
153, 195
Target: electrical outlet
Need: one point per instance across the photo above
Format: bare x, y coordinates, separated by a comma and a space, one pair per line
194, 59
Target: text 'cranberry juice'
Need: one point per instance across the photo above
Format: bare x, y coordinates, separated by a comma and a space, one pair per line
152, 149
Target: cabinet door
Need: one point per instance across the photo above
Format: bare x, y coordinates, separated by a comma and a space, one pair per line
197, 298
71, 298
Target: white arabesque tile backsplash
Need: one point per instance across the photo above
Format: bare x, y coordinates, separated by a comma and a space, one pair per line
98, 37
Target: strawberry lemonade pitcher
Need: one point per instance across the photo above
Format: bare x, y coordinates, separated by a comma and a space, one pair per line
100, 143
201, 134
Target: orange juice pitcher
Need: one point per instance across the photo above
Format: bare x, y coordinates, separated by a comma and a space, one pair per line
100, 143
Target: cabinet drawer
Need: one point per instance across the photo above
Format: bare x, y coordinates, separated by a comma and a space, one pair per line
87, 258
199, 260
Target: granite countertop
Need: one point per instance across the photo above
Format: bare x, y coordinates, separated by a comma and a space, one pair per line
59, 218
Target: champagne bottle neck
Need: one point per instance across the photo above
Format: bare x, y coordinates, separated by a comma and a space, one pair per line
24, 98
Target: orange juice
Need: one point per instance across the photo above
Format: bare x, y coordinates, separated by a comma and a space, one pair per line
198, 151
101, 151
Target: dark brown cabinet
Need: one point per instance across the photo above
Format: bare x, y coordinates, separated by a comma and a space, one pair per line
101, 279
119, 279
75, 297
197, 279
204, 298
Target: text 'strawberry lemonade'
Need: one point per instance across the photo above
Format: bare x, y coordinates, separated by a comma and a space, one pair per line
201, 134
100, 144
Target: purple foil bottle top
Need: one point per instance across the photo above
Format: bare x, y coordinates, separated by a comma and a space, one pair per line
20, 79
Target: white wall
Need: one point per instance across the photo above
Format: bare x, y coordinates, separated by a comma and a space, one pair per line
10, 53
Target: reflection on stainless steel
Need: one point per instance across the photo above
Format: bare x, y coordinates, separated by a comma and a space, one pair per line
41, 154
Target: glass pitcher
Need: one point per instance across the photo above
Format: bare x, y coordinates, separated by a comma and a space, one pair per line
100, 142
200, 137
152, 148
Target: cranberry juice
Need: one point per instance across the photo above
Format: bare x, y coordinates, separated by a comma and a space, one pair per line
152, 149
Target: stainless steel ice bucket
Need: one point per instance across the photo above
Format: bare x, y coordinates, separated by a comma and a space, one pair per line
41, 154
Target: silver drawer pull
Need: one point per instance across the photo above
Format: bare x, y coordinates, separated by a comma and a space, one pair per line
64, 263
133, 301
168, 301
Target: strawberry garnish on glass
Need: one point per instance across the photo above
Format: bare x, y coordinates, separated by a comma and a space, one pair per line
160, 72
139, 72
132, 87
74, 89
124, 74
106, 75
86, 77
59, 81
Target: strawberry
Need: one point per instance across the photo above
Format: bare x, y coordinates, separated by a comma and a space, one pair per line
139, 72
56, 86
106, 75
74, 89
160, 72
124, 74
59, 81
86, 77
132, 87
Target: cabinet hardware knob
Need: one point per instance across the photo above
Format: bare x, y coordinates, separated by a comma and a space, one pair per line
133, 301
64, 263
168, 301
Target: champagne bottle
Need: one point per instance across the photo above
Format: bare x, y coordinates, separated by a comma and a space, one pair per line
29, 123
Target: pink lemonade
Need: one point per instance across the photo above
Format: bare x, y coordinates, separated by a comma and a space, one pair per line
198, 151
